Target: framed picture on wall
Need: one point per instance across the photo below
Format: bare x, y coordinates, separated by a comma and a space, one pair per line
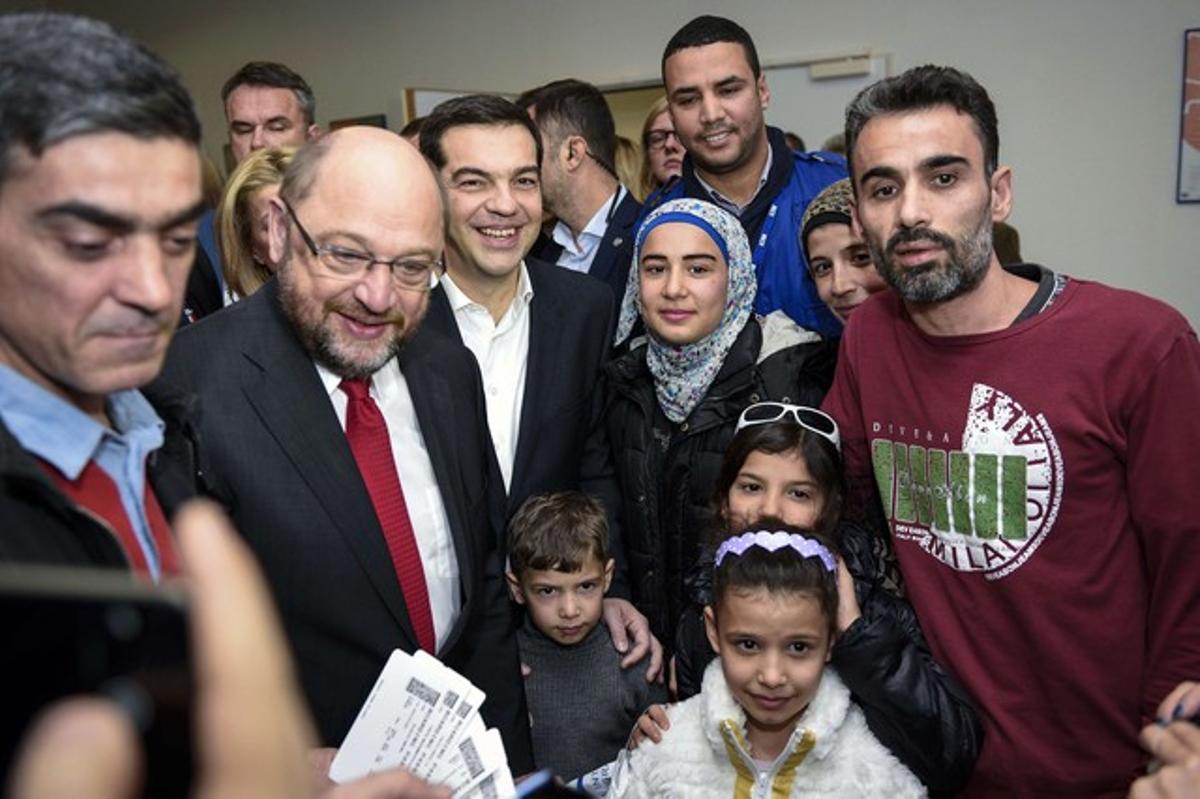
373, 120
1188, 187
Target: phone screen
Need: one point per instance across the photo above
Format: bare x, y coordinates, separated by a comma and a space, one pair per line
75, 631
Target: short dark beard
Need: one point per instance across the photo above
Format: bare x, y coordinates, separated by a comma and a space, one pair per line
968, 260
317, 339
726, 169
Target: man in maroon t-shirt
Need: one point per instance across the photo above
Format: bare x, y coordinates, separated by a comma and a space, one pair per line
1030, 439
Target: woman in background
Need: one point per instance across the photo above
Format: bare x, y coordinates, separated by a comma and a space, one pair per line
243, 218
662, 154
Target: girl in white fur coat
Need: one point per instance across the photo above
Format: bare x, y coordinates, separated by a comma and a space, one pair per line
771, 720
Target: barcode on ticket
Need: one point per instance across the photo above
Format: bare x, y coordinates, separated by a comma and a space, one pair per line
488, 790
422, 691
471, 758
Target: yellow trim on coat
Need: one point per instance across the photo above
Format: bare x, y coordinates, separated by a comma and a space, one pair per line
731, 733
781, 786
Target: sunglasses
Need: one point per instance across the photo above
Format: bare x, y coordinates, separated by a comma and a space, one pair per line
810, 419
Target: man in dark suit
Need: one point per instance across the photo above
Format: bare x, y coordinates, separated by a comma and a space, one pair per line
541, 334
350, 446
596, 214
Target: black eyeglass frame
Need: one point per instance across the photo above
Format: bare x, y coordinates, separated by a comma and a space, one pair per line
366, 260
661, 136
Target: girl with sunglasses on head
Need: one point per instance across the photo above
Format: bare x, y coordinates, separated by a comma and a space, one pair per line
673, 399
785, 462
771, 720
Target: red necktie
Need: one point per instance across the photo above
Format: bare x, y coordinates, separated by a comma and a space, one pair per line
367, 432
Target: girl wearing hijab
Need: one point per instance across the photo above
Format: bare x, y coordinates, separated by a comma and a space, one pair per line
675, 397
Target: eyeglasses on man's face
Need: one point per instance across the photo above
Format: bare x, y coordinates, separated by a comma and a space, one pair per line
413, 274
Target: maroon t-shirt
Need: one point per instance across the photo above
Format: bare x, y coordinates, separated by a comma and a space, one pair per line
1041, 486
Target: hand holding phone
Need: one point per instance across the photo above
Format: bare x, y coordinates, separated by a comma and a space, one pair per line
253, 731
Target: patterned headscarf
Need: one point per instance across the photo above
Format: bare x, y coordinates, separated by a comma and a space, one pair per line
683, 374
831, 206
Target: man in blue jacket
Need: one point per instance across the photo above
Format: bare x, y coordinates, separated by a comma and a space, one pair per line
716, 94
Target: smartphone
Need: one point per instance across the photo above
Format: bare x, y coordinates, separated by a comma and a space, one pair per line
69, 631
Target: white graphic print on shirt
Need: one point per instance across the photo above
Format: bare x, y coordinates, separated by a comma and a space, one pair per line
985, 507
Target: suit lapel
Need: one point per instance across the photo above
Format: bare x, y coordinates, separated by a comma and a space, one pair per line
286, 392
440, 316
545, 320
616, 239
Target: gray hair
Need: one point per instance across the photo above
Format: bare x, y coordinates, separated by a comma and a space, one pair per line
63, 76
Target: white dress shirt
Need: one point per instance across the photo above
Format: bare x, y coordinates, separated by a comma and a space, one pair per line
426, 510
578, 254
502, 350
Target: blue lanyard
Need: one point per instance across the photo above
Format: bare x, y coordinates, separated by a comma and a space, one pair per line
760, 248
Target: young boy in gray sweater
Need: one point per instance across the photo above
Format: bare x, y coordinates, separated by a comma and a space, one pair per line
582, 705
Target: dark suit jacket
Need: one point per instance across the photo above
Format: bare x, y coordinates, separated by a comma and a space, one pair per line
562, 443
276, 457
614, 253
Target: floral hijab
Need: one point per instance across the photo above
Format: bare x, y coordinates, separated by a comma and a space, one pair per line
683, 374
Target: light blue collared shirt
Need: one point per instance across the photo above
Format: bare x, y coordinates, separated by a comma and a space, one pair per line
67, 438
728, 204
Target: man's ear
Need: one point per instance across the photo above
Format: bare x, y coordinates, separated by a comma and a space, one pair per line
1002, 193
710, 629
609, 568
313, 133
514, 587
574, 152
277, 234
764, 93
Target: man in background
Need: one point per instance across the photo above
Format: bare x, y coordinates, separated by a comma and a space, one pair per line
717, 93
596, 214
268, 105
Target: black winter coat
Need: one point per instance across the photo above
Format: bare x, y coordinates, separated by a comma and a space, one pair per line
39, 524
912, 705
668, 471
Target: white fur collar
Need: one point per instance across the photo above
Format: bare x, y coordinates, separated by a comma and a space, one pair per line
823, 716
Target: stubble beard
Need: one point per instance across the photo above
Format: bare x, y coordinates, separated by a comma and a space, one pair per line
744, 155
958, 271
314, 327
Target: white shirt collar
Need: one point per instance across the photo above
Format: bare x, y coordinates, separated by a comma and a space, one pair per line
459, 300
382, 382
593, 231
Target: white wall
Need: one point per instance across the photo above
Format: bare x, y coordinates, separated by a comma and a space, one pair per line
1088, 91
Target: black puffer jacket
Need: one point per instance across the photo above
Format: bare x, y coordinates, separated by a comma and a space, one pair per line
912, 705
668, 471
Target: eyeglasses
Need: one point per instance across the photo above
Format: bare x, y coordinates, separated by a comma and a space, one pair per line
351, 264
657, 139
810, 419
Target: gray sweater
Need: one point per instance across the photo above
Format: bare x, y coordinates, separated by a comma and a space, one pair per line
582, 705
